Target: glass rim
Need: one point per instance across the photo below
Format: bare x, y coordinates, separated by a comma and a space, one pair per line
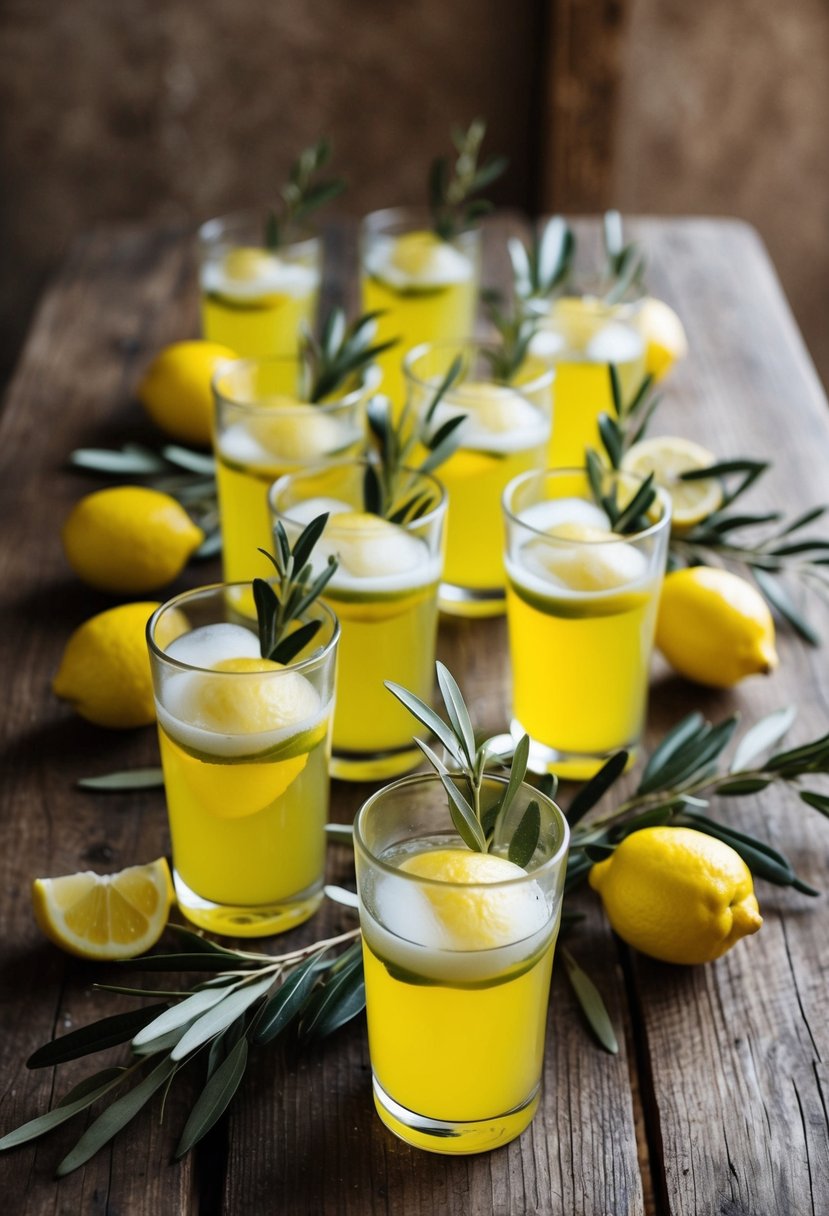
214, 588
617, 537
431, 778
374, 223
359, 462
210, 232
415, 352
371, 377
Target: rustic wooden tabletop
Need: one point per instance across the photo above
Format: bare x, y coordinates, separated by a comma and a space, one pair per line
717, 1100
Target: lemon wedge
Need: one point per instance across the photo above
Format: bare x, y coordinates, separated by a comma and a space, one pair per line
664, 335
668, 457
105, 916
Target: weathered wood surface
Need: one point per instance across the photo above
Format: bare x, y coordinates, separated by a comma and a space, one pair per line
715, 1103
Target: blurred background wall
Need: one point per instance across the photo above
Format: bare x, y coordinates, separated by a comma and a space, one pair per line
176, 110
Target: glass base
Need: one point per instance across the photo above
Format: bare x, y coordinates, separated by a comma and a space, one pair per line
449, 1137
471, 601
374, 766
245, 920
570, 766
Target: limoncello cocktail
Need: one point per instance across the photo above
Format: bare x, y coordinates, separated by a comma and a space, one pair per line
581, 608
244, 748
505, 432
254, 299
385, 596
264, 430
458, 951
425, 288
582, 336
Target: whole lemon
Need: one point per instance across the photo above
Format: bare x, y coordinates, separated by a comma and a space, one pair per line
176, 392
105, 669
714, 627
129, 539
677, 895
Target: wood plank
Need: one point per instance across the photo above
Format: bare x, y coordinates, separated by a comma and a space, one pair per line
738, 1048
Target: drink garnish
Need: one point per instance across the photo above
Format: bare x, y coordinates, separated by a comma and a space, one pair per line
543, 269
388, 475
483, 829
516, 327
302, 194
334, 360
451, 186
282, 602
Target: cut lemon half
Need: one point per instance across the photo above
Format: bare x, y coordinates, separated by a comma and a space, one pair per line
668, 457
105, 916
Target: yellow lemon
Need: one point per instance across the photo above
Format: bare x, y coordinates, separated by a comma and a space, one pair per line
667, 457
476, 919
368, 546
714, 627
129, 539
251, 706
176, 392
105, 669
665, 340
246, 263
414, 253
297, 432
677, 894
601, 562
107, 916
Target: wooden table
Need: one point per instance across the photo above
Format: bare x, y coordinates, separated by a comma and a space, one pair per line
717, 1100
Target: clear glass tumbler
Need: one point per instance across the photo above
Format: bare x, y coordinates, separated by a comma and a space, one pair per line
425, 288
385, 596
244, 748
581, 611
255, 299
506, 432
457, 972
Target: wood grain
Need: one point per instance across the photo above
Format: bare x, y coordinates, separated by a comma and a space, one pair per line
721, 1071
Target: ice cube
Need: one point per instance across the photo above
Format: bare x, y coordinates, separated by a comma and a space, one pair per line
211, 644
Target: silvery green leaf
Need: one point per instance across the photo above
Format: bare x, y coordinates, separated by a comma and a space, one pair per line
114, 1118
520, 264
185, 458
463, 816
591, 1002
100, 460
182, 1013
525, 838
339, 833
340, 895
551, 250
818, 802
64, 1111
128, 779
457, 712
214, 1099
779, 599
762, 736
107, 1032
687, 729
232, 1007
425, 714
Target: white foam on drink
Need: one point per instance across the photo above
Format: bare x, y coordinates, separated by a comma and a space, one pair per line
548, 344
212, 644
299, 443
404, 926
500, 421
614, 343
273, 277
543, 516
444, 266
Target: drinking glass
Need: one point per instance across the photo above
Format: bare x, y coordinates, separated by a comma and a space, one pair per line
264, 429
254, 299
426, 289
457, 973
385, 596
581, 612
581, 335
244, 748
506, 432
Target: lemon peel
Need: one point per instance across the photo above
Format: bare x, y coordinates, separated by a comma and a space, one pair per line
714, 627
109, 916
129, 539
677, 895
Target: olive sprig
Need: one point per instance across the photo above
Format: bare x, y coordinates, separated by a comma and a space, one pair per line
388, 477
516, 327
485, 829
337, 358
776, 547
302, 194
544, 268
452, 185
282, 603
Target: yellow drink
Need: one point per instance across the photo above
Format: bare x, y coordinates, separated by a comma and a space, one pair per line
244, 748
426, 288
581, 606
385, 596
582, 337
458, 952
263, 432
505, 432
256, 300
